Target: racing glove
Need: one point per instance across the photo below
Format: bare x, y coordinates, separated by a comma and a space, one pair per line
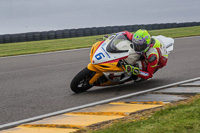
134, 70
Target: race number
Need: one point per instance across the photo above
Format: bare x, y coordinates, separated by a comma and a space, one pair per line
99, 56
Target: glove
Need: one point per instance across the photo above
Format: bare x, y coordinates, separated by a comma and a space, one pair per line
129, 68
134, 70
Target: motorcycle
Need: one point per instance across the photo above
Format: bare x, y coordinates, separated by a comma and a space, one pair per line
108, 59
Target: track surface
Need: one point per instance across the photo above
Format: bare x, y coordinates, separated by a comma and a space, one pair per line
34, 85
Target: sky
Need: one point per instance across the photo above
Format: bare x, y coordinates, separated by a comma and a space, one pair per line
20, 16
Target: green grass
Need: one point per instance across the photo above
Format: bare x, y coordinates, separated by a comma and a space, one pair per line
21, 48
182, 118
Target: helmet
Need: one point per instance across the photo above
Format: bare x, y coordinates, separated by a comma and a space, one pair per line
141, 41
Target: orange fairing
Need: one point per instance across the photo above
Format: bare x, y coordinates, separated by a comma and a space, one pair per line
105, 66
94, 48
102, 67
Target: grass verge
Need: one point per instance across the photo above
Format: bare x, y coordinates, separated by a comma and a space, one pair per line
180, 117
22, 48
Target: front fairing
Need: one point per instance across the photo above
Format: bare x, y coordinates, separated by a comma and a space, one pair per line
106, 64
104, 52
105, 59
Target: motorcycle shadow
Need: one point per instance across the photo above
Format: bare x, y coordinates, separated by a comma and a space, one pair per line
128, 87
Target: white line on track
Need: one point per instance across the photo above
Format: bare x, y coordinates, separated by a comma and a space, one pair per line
16, 123
45, 53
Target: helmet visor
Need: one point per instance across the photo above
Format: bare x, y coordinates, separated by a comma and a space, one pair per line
140, 47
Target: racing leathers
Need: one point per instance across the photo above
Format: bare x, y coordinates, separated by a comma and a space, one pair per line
156, 57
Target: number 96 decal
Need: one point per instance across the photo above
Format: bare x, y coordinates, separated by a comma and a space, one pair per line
99, 56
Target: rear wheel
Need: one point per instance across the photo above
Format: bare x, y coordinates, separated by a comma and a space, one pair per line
80, 83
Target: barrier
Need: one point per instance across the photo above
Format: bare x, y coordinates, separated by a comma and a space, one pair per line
58, 34
101, 30
51, 35
87, 32
14, 38
72, 33
36, 36
22, 37
94, 31
44, 35
69, 33
80, 32
129, 28
1, 39
66, 33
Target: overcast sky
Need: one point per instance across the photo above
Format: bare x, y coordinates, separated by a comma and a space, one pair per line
18, 16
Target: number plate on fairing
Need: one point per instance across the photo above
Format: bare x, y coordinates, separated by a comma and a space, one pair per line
102, 55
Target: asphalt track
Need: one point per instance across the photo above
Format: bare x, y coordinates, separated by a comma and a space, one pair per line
37, 84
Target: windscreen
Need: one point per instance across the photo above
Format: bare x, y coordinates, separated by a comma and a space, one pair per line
118, 45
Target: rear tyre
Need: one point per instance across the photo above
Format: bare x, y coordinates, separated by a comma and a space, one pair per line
80, 83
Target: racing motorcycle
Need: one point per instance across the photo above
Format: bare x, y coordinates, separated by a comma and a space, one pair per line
108, 59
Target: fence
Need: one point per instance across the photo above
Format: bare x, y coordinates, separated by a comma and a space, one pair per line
69, 33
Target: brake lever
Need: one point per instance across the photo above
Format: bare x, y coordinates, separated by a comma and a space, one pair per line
122, 64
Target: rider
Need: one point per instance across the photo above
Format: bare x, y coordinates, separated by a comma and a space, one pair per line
153, 54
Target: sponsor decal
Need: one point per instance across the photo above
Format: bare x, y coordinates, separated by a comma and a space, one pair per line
106, 52
143, 73
103, 44
169, 45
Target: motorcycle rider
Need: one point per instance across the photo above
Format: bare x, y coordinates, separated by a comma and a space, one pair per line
153, 54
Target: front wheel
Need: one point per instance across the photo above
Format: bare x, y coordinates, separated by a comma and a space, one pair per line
80, 83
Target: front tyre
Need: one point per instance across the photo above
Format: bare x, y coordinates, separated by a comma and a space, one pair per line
80, 83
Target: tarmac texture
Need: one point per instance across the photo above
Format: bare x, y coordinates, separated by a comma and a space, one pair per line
79, 119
